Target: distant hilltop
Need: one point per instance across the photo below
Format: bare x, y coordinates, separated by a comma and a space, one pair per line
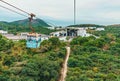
86, 25
94, 25
114, 25
25, 22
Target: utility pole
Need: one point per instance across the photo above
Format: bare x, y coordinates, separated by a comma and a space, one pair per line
74, 12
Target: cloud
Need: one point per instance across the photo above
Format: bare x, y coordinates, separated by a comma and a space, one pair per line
88, 11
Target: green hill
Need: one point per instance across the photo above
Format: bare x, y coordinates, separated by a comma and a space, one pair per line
35, 22
114, 25
86, 25
23, 26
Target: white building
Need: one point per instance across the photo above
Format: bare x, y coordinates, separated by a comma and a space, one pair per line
58, 33
91, 28
13, 37
62, 38
81, 32
76, 31
51, 28
100, 29
3, 32
70, 31
24, 35
43, 37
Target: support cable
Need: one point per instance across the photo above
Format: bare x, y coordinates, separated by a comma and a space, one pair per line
14, 6
13, 11
19, 10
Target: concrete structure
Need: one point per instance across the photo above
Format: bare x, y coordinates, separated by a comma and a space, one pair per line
56, 28
100, 29
3, 32
58, 33
24, 35
63, 38
76, 31
70, 32
51, 28
92, 28
13, 37
43, 37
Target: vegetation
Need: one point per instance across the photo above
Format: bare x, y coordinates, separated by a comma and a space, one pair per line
35, 22
91, 59
18, 63
22, 26
114, 30
94, 59
86, 25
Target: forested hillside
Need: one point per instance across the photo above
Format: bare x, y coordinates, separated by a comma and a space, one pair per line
23, 26
91, 59
18, 63
114, 30
95, 59
86, 25
35, 22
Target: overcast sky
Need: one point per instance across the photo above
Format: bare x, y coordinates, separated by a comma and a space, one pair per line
60, 12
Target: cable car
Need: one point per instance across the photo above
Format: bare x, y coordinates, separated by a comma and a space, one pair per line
33, 39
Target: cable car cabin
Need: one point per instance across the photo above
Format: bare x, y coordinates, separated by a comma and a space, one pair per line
33, 40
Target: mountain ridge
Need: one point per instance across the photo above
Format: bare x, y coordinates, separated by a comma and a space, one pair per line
25, 22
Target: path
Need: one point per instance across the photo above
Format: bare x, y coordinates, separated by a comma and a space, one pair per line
64, 67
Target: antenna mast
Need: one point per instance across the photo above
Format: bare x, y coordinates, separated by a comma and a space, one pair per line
74, 12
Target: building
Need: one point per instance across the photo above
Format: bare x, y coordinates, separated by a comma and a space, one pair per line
51, 28
24, 35
56, 28
76, 31
62, 38
3, 32
70, 31
58, 33
13, 37
43, 37
100, 29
